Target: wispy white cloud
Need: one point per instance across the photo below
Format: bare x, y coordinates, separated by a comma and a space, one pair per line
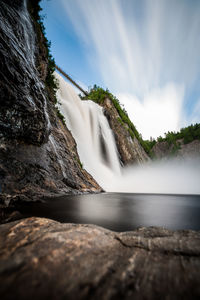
141, 46
158, 112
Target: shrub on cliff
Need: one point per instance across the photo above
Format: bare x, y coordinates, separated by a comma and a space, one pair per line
188, 134
98, 95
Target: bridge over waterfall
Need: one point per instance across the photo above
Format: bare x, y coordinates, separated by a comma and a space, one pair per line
71, 80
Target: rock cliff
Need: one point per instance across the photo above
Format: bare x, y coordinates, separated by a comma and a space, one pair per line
164, 150
38, 154
129, 148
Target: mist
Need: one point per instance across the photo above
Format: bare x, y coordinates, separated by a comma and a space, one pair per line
175, 176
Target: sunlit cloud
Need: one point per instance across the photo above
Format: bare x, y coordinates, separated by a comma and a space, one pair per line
160, 109
141, 48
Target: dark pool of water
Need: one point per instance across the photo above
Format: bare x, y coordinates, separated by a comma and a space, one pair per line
121, 211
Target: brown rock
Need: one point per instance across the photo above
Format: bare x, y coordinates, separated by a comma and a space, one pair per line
165, 150
43, 259
129, 148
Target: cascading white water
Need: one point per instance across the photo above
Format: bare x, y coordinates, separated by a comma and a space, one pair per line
98, 153
94, 138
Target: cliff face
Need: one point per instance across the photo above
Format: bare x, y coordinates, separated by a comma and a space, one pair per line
165, 150
129, 148
37, 152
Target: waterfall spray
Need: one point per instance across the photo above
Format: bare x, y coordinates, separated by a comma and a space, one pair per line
98, 153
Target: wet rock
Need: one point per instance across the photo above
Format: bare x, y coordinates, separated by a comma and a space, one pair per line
38, 155
22, 112
44, 259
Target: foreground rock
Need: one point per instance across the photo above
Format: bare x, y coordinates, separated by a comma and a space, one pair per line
44, 259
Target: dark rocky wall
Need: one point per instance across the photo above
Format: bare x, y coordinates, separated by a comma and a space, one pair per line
37, 152
22, 114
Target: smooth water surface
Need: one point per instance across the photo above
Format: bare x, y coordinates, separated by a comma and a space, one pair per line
121, 211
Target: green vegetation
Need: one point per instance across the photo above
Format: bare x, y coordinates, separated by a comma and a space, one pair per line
78, 161
60, 116
35, 10
98, 95
50, 81
187, 135
80, 164
150, 143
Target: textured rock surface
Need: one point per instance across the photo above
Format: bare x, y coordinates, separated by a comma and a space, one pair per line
164, 150
129, 148
43, 259
37, 153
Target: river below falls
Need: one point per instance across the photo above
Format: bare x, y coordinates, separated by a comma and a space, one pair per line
121, 211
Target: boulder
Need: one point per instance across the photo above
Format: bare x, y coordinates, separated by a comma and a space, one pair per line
44, 259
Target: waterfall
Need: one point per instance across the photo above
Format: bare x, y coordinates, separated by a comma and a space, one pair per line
59, 158
98, 153
95, 141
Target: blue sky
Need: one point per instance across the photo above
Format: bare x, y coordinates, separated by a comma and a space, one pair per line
145, 52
